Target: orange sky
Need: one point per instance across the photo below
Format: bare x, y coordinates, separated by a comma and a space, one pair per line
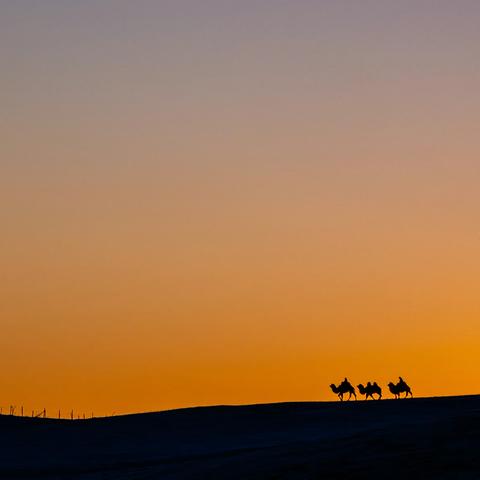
236, 205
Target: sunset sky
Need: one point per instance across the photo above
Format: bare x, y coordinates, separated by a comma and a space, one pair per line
217, 201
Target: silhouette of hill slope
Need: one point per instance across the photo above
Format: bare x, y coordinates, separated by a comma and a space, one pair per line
424, 438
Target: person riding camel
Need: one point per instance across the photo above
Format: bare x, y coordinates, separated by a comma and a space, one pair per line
344, 387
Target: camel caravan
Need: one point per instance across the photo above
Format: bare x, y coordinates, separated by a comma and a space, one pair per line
371, 389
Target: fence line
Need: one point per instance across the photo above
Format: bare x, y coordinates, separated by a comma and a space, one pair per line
12, 412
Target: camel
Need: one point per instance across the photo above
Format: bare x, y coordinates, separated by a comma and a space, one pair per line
370, 389
343, 388
400, 387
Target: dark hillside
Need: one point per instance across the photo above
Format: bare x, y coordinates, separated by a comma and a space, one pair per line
419, 438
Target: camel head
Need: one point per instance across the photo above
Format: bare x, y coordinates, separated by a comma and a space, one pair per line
334, 388
361, 388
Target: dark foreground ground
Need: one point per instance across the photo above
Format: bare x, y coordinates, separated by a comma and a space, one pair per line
420, 438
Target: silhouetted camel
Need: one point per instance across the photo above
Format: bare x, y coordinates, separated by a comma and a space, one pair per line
370, 389
344, 387
400, 387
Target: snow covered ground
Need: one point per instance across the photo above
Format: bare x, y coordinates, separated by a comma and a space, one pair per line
420, 438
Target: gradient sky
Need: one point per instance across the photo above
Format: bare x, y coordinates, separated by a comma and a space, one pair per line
237, 201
